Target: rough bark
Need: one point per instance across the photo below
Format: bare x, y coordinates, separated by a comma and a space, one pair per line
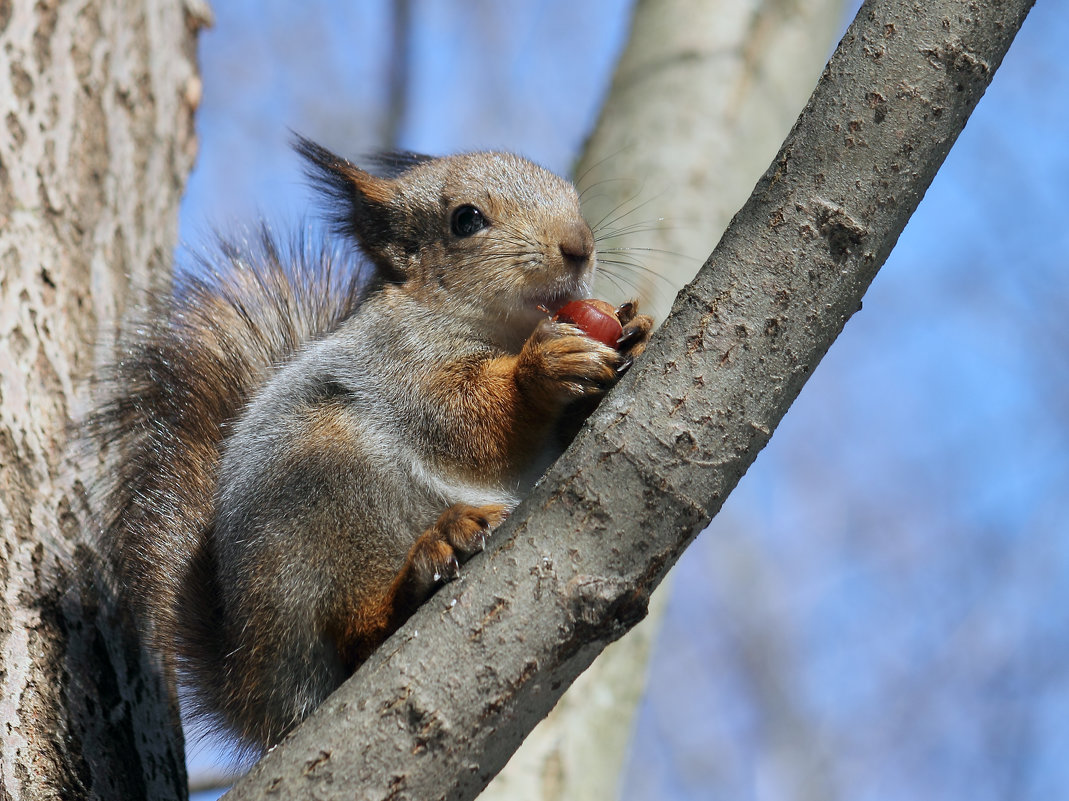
440, 707
95, 145
702, 97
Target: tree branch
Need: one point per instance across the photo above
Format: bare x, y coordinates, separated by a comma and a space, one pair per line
440, 707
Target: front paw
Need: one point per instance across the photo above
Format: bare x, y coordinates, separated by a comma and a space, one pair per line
637, 330
560, 359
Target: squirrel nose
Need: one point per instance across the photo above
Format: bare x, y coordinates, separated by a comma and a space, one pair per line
577, 245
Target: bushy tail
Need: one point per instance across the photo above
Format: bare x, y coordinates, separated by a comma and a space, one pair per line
182, 374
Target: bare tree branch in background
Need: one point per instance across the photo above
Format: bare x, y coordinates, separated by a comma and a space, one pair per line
439, 708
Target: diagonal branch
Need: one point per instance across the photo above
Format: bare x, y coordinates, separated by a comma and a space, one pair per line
438, 710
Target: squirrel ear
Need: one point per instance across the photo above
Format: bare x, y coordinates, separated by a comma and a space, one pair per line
357, 202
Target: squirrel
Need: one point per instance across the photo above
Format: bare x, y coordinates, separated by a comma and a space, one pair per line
306, 452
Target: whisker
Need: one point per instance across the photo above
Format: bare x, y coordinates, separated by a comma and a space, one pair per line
616, 281
665, 292
580, 178
636, 267
659, 251
605, 219
600, 184
612, 228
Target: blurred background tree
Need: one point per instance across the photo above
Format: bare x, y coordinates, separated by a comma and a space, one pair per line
876, 611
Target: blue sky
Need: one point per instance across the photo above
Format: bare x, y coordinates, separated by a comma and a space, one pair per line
881, 605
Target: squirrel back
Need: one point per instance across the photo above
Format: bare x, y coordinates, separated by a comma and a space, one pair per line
305, 450
185, 368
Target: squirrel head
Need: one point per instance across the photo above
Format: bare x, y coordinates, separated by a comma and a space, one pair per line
490, 236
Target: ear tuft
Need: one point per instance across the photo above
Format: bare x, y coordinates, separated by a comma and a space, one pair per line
356, 203
337, 178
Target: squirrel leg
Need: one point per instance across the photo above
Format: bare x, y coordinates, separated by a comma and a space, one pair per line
459, 533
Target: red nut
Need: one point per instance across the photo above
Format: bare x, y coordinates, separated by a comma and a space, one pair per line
596, 317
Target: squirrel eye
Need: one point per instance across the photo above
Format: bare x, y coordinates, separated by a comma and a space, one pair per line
467, 220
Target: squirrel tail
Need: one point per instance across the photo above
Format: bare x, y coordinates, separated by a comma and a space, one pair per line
182, 374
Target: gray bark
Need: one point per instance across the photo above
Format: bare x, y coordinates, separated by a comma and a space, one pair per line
97, 99
439, 708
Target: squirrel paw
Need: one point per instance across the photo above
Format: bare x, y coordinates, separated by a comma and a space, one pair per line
465, 528
559, 356
458, 534
637, 330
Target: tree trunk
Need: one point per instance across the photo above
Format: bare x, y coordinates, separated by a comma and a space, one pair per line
95, 147
701, 98
439, 708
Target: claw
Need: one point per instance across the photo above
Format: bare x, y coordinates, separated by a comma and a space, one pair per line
630, 337
449, 571
625, 365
